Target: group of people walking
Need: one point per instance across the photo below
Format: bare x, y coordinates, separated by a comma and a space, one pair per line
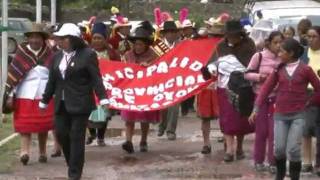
54, 79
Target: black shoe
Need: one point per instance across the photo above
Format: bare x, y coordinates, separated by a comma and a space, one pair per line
220, 139
89, 140
171, 136
24, 159
294, 170
206, 150
143, 147
101, 142
240, 155
317, 171
43, 159
56, 154
281, 169
228, 157
184, 113
307, 168
160, 133
128, 146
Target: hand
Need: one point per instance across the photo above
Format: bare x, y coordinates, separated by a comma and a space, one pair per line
9, 102
42, 107
252, 117
205, 73
106, 107
262, 77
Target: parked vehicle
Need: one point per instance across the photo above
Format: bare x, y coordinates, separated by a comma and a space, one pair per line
284, 12
17, 28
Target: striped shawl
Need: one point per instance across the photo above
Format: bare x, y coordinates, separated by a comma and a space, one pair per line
23, 62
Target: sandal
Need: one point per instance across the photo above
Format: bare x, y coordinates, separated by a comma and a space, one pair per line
240, 155
128, 146
228, 157
43, 159
206, 150
56, 154
143, 147
24, 159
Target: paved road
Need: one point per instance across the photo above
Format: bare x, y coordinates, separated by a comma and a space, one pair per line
180, 159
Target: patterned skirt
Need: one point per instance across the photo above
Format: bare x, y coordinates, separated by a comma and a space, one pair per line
29, 119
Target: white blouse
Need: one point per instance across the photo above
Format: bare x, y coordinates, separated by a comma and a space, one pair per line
33, 85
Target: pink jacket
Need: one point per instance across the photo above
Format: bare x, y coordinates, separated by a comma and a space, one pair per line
269, 62
291, 92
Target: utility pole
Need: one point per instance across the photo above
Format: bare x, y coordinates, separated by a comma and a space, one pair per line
39, 11
53, 12
4, 54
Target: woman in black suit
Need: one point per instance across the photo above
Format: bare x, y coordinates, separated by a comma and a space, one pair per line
73, 78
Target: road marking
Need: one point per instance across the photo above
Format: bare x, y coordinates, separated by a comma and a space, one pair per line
7, 139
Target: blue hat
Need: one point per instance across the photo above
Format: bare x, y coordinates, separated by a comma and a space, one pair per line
99, 28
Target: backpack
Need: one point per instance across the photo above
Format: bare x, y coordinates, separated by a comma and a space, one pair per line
240, 91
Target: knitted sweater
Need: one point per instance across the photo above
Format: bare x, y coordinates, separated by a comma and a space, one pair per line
291, 92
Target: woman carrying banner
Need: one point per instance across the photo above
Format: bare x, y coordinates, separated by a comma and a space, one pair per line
140, 54
240, 47
27, 77
97, 126
73, 78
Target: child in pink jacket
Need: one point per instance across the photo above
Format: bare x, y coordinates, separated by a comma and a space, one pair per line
265, 63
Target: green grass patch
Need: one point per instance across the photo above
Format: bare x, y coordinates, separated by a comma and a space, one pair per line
8, 151
6, 128
8, 155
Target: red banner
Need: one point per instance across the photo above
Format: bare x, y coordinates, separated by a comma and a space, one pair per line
171, 79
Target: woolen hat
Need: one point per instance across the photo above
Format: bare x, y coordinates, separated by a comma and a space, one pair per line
99, 28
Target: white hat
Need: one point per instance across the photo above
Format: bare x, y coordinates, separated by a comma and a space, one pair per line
187, 23
68, 29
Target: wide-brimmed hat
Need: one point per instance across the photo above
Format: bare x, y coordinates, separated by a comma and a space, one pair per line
217, 25
141, 34
233, 27
187, 24
169, 26
210, 21
68, 29
121, 22
39, 29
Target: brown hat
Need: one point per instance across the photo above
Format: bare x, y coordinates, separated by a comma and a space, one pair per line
39, 29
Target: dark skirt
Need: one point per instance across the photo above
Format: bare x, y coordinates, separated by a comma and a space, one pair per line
231, 122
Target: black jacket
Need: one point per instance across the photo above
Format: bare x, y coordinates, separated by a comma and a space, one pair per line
82, 78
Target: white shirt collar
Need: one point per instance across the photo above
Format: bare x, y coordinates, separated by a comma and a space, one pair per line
35, 52
168, 44
65, 53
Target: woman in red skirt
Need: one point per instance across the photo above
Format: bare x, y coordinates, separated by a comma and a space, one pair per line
140, 54
27, 78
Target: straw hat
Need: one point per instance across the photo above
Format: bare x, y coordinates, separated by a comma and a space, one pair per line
38, 29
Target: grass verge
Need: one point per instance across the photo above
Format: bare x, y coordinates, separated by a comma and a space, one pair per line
8, 150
